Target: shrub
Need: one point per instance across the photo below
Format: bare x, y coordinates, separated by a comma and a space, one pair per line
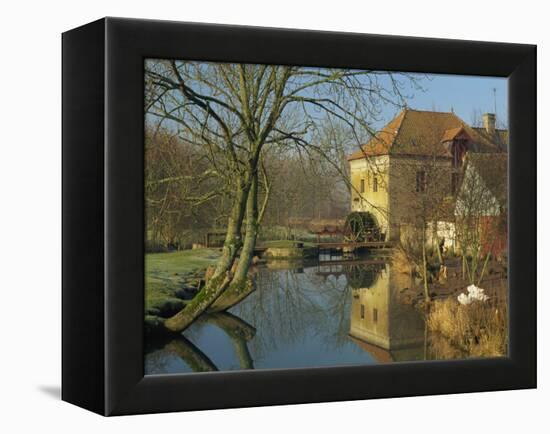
480, 329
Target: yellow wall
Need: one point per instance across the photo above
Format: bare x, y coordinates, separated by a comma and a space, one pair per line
396, 201
398, 325
371, 201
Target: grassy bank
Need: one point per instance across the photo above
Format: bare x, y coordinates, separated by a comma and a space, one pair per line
165, 273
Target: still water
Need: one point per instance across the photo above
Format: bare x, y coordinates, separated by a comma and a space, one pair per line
302, 315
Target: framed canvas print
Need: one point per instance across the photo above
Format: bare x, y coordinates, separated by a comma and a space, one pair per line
262, 216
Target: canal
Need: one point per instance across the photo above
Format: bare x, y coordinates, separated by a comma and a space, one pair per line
303, 315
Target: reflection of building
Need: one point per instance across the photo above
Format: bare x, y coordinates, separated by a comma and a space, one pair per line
378, 318
413, 156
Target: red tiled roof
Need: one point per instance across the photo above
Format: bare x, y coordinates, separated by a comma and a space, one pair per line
415, 132
452, 134
500, 137
381, 143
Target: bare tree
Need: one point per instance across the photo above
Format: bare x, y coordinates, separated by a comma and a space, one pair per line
180, 191
235, 112
481, 211
425, 186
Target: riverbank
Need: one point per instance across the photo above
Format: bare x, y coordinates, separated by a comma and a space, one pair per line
463, 331
479, 329
452, 282
289, 250
173, 278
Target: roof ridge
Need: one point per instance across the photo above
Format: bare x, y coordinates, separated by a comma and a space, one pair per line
428, 111
464, 124
483, 128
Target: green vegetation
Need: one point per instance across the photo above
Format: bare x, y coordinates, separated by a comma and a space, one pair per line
167, 272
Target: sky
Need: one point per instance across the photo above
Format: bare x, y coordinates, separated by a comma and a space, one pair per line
465, 95
461, 94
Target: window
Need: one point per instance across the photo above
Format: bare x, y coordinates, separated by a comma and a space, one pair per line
375, 315
362, 311
420, 181
454, 182
374, 183
362, 186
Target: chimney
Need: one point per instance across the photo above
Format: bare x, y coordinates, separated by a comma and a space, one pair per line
489, 120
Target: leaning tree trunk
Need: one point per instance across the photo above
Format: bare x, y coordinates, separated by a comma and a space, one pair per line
240, 279
222, 274
232, 296
233, 241
242, 285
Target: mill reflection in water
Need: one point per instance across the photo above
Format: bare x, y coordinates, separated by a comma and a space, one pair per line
382, 324
302, 315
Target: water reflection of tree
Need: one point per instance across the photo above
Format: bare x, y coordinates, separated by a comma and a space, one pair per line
287, 302
181, 347
362, 276
238, 331
336, 291
280, 308
191, 355
338, 296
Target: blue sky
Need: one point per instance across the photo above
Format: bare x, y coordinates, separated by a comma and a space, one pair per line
468, 96
460, 93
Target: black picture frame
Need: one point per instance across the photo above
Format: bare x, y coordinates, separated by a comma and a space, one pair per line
103, 224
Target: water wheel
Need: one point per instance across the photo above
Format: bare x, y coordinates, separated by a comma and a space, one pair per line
361, 227
362, 276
